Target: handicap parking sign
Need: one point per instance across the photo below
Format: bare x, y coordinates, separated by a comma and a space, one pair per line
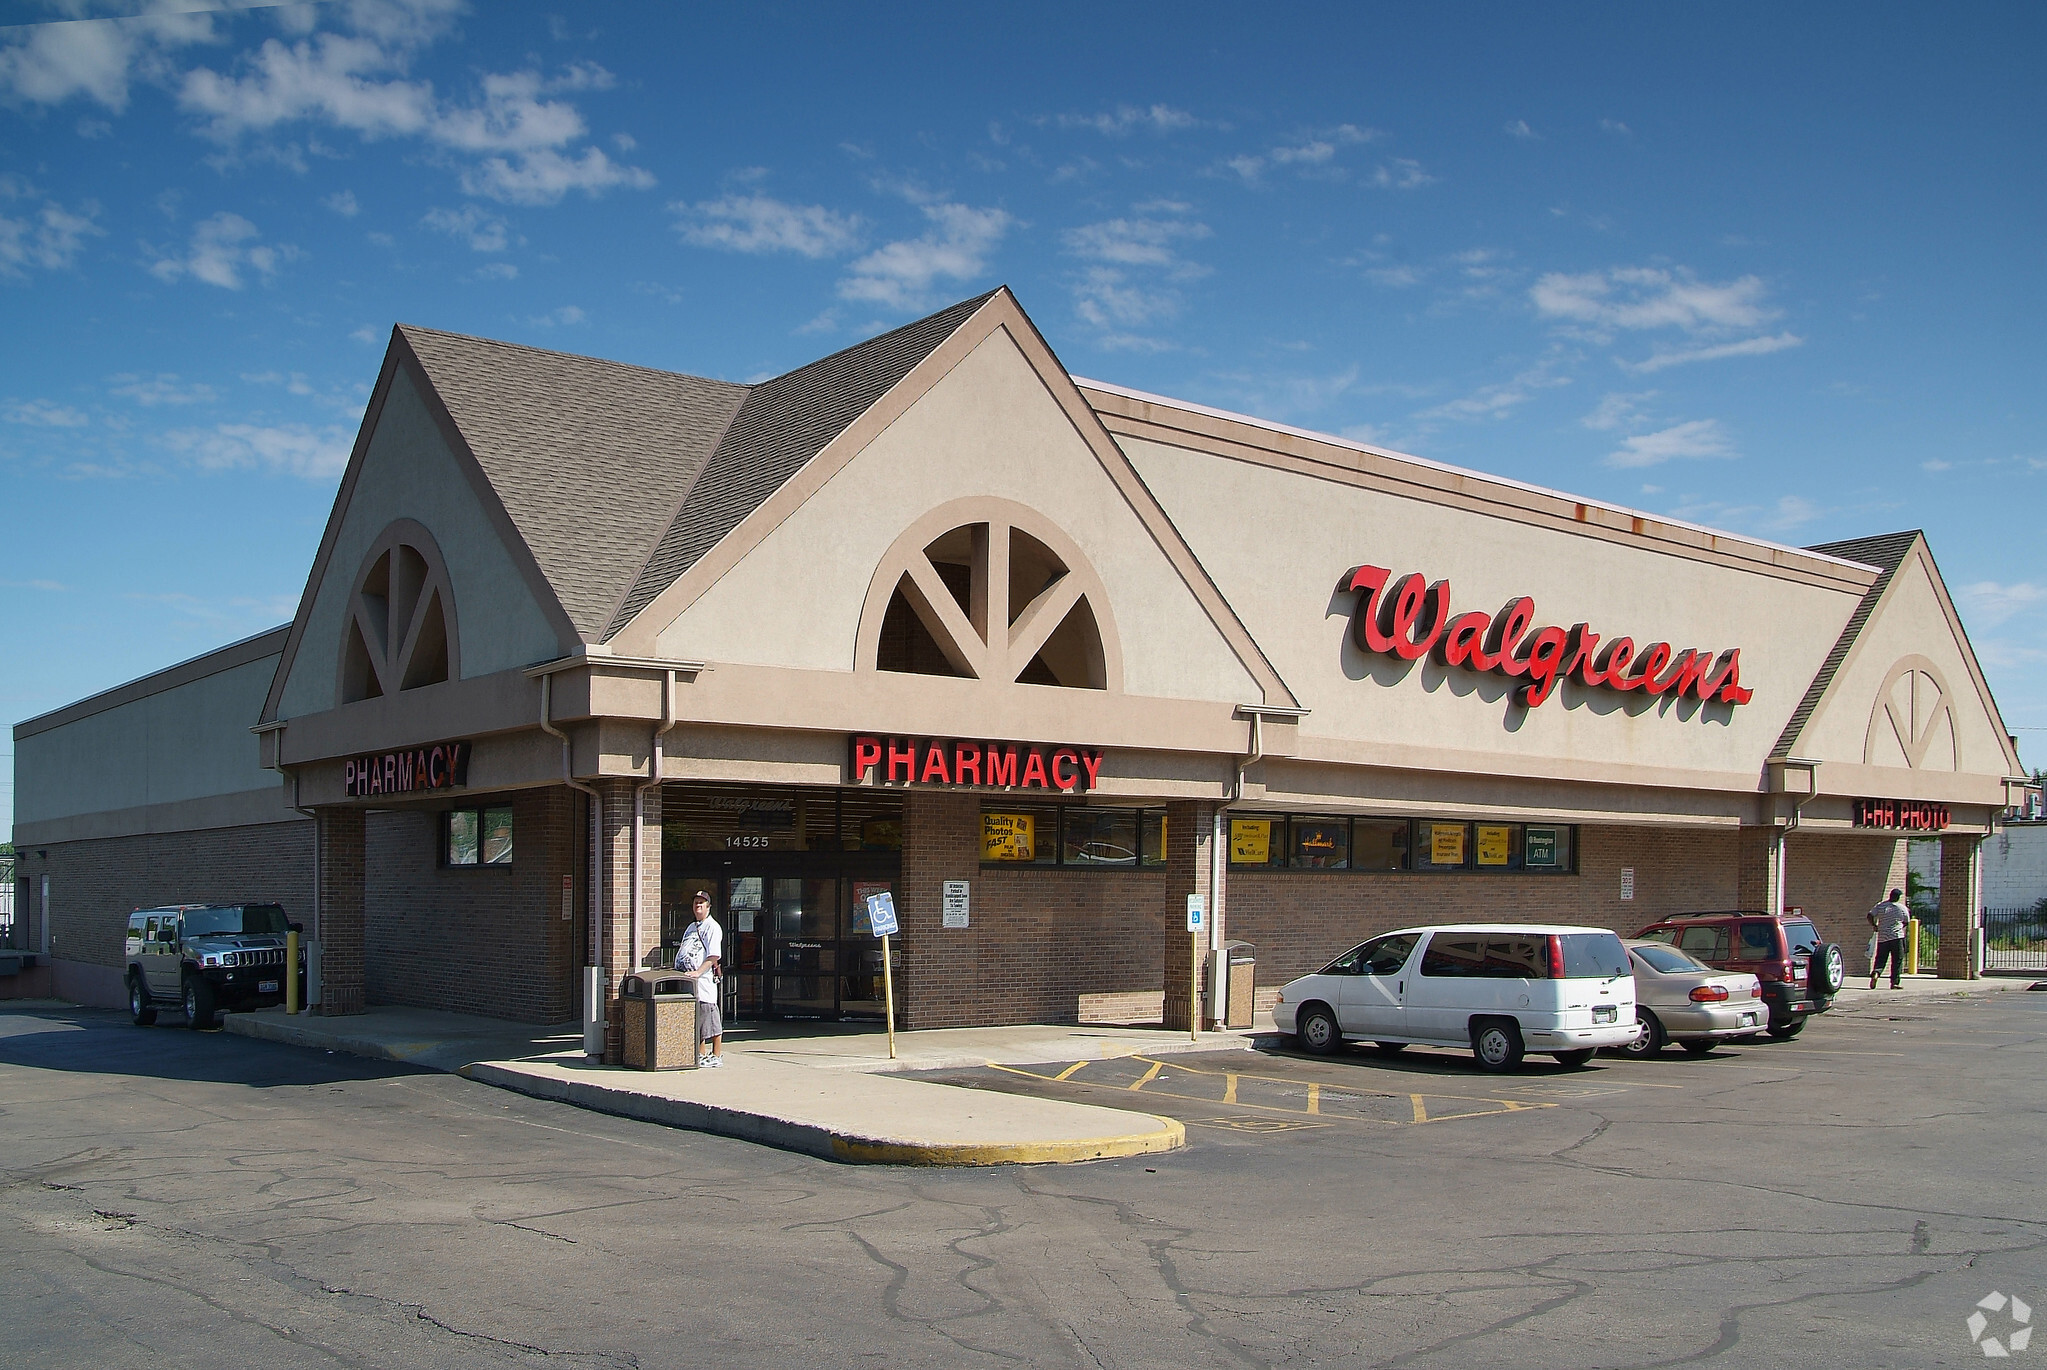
881, 913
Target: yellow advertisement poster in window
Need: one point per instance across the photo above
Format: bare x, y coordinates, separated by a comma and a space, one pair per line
1251, 841
1008, 837
1446, 844
1493, 844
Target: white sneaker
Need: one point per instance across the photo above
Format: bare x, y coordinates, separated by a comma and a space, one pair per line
714, 1062
705, 1060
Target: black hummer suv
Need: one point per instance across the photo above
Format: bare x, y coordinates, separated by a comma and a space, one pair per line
205, 957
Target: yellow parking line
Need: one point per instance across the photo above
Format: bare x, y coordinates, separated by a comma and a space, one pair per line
1314, 1098
1421, 1114
1150, 1075
1229, 1089
1070, 1071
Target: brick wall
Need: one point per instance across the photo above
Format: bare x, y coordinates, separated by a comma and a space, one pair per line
1836, 878
96, 884
480, 939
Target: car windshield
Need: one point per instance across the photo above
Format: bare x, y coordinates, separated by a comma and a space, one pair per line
1669, 960
249, 918
1592, 955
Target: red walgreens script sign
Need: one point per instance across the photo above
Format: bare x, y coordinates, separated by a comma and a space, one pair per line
1413, 619
995, 765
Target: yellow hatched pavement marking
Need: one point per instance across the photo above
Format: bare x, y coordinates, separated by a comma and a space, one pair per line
1314, 1098
1070, 1071
1421, 1113
1230, 1089
1149, 1075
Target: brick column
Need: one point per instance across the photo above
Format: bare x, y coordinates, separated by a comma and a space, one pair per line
615, 856
339, 833
1759, 875
1190, 847
940, 980
1960, 866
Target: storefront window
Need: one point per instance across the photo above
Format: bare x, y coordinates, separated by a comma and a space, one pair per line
1498, 846
1318, 843
1020, 837
1098, 837
1257, 841
1547, 850
477, 837
1442, 846
1379, 844
1151, 843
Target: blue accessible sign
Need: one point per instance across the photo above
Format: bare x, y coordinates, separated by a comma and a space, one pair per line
881, 913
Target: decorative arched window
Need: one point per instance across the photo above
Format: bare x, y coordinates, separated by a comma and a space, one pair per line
400, 631
986, 589
1913, 721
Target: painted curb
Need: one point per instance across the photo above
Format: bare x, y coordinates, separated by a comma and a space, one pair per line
815, 1139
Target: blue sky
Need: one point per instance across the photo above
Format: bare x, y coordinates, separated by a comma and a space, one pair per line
1773, 268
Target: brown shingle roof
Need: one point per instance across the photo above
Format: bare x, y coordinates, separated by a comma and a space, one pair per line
1885, 552
780, 427
588, 457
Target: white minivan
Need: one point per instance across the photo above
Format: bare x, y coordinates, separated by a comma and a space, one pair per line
1501, 990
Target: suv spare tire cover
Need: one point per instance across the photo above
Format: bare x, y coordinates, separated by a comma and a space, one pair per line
1828, 970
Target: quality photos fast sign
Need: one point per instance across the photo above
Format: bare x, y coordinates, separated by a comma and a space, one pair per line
1411, 619
443, 766
937, 761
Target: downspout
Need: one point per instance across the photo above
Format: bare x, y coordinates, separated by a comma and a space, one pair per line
1812, 791
593, 1017
656, 751
1218, 990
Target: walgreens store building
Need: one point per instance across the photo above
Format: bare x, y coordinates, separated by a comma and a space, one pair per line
583, 638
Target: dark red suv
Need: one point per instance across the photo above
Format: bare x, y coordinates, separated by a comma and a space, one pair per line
1800, 973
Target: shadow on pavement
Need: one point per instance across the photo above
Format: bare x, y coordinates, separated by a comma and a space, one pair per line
104, 1042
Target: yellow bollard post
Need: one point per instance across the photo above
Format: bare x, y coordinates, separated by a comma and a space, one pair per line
1912, 946
291, 972
888, 992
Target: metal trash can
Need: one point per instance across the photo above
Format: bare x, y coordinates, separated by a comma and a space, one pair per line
1243, 959
659, 1009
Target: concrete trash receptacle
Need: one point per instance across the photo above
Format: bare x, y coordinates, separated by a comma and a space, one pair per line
1243, 958
660, 1012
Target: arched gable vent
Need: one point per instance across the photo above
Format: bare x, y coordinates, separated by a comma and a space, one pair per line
400, 632
987, 589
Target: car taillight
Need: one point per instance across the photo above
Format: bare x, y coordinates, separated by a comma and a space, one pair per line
1556, 957
1755, 988
1709, 994
1778, 970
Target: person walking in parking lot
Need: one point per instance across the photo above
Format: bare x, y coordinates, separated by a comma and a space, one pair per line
701, 956
1890, 919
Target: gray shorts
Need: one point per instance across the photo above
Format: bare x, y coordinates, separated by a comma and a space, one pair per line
710, 1022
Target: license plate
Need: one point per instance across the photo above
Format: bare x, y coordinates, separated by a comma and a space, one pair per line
1748, 1020
1605, 1013
266, 987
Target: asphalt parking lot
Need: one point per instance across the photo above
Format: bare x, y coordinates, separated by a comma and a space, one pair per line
1843, 1200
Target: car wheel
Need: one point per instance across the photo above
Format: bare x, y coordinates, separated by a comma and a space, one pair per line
1652, 1039
1784, 1032
1496, 1042
1318, 1030
1700, 1046
138, 1002
1828, 971
198, 1003
1574, 1060
1389, 1048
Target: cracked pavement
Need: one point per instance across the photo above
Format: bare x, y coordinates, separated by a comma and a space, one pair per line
175, 1198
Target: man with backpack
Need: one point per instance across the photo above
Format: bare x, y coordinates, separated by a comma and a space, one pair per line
1891, 919
701, 958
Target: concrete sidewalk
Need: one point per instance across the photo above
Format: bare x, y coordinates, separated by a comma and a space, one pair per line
825, 1089
1857, 994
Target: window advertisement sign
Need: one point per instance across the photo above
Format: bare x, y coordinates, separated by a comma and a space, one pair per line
1251, 841
1008, 836
864, 890
1446, 844
1495, 844
1540, 848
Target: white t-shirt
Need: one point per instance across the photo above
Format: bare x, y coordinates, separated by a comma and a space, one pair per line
702, 942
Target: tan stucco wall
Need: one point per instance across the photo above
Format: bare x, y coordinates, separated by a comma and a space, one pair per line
1278, 543
1910, 621
189, 742
988, 429
408, 472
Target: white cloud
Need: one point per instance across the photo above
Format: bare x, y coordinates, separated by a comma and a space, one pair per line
54, 586
1314, 154
1518, 128
1618, 411
1402, 173
1699, 438
900, 275
163, 388
48, 236
1107, 296
497, 271
1127, 119
563, 317
1396, 277
1615, 126
49, 63
761, 223
1747, 347
484, 232
293, 449
342, 202
1640, 297
42, 414
1990, 603
1936, 466
222, 246
1139, 241
544, 176
1495, 401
